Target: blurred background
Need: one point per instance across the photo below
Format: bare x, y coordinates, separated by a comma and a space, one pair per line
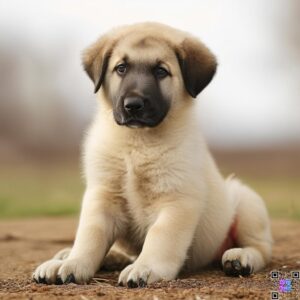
250, 113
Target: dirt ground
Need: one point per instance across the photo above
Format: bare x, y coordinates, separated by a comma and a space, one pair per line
26, 243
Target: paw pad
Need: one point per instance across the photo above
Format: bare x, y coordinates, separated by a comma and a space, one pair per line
235, 268
132, 284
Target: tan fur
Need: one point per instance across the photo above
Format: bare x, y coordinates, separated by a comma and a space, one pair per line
156, 192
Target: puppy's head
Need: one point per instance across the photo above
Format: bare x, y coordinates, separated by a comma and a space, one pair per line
146, 70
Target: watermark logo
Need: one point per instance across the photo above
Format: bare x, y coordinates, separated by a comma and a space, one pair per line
286, 284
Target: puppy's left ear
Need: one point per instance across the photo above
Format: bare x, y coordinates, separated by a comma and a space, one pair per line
198, 65
95, 60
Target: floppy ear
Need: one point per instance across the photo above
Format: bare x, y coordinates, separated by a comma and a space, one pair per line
95, 60
198, 65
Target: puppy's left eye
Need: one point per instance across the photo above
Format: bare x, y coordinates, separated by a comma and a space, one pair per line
121, 69
161, 72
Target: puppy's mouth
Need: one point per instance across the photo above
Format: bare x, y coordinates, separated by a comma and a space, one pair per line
133, 122
138, 123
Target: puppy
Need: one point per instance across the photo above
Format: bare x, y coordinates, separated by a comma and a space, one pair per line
152, 187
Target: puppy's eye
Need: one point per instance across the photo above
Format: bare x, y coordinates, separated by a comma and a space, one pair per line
161, 72
121, 69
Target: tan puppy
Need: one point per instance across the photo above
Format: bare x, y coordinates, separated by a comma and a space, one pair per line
152, 185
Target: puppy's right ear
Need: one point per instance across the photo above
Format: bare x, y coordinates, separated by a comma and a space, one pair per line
95, 60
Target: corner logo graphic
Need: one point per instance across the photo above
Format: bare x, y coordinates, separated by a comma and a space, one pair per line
287, 285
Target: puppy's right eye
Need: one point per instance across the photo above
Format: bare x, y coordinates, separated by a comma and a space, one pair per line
161, 72
121, 69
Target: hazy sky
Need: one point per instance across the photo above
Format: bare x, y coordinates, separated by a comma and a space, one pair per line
254, 98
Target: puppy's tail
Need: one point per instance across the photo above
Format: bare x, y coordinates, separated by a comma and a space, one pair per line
238, 191
234, 187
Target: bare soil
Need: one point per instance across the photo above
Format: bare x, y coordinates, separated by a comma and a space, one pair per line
26, 243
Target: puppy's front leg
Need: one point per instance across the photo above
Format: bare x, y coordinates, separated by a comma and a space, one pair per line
95, 235
166, 244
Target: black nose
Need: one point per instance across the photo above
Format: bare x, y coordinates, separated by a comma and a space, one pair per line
133, 104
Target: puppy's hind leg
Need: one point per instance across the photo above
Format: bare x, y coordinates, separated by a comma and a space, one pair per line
253, 233
116, 259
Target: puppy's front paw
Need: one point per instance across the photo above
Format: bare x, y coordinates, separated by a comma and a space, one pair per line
139, 275
237, 261
56, 271
47, 272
